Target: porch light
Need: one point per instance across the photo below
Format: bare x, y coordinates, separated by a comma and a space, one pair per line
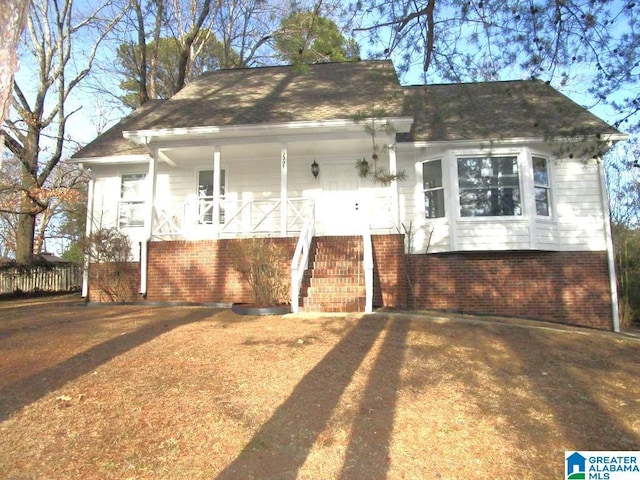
315, 168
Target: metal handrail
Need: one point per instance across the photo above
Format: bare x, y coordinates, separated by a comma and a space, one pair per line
300, 262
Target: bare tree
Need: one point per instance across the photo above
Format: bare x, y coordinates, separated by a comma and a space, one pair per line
41, 115
558, 41
13, 16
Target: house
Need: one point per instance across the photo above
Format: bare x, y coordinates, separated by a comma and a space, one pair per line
494, 200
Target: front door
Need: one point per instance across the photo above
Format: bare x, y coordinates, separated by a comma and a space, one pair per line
339, 209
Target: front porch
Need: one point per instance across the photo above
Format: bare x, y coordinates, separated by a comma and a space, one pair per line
200, 271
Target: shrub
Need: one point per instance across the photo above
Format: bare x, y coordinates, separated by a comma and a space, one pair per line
109, 252
262, 263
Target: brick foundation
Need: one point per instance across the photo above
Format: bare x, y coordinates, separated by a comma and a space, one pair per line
564, 287
130, 272
389, 278
199, 271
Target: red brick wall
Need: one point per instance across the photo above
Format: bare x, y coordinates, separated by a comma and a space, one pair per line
566, 287
131, 275
198, 271
389, 278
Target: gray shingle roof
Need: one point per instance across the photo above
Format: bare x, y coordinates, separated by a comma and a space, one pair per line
496, 110
265, 95
489, 110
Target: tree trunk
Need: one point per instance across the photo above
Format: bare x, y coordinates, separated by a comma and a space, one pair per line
12, 19
25, 234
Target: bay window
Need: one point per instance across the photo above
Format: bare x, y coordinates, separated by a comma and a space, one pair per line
433, 189
489, 186
542, 187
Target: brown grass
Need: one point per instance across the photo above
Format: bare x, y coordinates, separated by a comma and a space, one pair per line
128, 392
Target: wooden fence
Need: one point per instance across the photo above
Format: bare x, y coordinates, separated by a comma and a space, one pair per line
60, 277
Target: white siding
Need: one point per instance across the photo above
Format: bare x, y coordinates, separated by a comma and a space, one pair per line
576, 222
578, 205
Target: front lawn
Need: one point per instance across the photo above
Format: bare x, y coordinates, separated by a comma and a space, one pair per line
128, 392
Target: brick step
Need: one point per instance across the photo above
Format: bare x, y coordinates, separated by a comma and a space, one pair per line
351, 305
333, 257
327, 291
337, 272
333, 280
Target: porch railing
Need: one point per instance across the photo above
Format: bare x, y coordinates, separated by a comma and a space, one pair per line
250, 217
300, 263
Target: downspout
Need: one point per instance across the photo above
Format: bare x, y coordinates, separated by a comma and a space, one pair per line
613, 285
87, 232
144, 247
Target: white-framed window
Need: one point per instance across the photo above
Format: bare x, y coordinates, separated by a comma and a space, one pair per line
541, 186
433, 189
131, 211
205, 196
489, 186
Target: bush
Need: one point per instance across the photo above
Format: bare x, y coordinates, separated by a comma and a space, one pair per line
109, 252
262, 263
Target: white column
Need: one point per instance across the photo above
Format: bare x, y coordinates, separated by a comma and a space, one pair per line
393, 187
88, 231
216, 188
152, 175
284, 161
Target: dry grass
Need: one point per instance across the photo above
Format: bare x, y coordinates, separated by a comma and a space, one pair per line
195, 393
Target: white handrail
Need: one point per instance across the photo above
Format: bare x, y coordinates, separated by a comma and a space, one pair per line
367, 260
300, 263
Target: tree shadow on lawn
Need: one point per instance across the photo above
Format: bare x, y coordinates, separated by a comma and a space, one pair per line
283, 443
25, 391
579, 386
538, 387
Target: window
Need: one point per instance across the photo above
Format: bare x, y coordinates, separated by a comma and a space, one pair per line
205, 196
131, 211
542, 187
489, 186
433, 189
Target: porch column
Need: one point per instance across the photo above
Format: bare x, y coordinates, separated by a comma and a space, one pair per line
152, 176
216, 188
88, 230
393, 186
284, 210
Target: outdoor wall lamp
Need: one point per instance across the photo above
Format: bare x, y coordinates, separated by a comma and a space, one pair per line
315, 168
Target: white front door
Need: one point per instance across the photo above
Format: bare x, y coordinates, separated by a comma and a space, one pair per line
339, 208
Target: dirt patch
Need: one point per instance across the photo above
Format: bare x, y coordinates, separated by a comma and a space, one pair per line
199, 393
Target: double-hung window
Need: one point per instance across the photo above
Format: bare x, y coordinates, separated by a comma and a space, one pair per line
542, 187
433, 189
489, 186
131, 211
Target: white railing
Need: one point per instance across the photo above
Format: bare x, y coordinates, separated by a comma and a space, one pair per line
380, 210
300, 263
244, 217
367, 260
